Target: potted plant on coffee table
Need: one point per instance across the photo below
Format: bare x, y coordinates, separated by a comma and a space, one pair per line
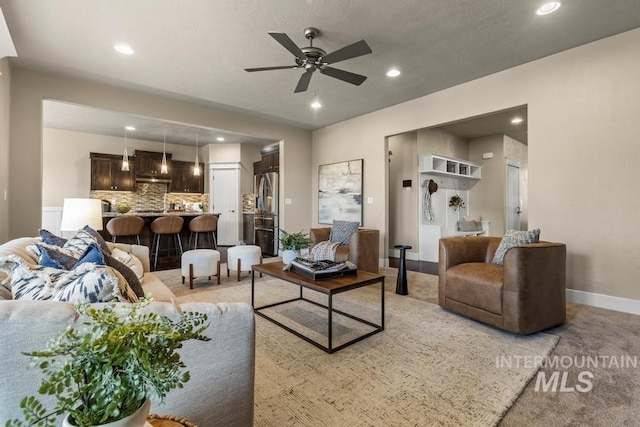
291, 243
107, 371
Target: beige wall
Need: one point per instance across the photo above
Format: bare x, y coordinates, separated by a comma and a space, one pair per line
5, 101
583, 130
249, 153
441, 142
29, 88
488, 194
403, 202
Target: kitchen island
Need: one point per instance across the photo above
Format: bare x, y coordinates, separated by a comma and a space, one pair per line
146, 237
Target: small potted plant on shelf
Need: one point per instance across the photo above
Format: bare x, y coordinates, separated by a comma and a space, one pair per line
106, 372
456, 202
291, 243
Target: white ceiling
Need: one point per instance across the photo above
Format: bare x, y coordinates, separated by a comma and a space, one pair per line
198, 49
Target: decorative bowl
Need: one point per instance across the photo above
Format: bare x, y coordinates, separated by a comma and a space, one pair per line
122, 207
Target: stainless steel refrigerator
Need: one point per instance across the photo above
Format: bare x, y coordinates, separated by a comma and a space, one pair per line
265, 187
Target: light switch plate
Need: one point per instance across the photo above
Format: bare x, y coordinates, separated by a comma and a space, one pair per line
370, 200
288, 201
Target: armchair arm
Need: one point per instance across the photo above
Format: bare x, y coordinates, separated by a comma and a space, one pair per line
318, 235
364, 249
534, 287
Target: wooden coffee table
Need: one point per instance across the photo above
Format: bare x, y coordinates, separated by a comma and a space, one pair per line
329, 287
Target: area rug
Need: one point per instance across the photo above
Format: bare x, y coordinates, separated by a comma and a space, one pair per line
428, 367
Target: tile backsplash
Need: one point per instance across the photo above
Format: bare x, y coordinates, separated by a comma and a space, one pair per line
151, 197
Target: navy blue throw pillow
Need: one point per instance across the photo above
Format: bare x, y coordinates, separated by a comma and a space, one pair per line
50, 238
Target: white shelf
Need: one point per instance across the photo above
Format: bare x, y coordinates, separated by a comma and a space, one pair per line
449, 166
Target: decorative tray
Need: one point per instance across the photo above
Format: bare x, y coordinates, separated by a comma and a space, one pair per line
324, 269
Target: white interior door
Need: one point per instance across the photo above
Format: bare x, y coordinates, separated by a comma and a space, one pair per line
513, 195
223, 199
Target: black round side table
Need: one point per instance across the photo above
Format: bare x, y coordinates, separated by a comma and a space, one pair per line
401, 284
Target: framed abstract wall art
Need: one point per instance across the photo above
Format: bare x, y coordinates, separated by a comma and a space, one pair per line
340, 192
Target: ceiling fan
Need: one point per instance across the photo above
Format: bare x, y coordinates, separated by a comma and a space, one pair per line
313, 58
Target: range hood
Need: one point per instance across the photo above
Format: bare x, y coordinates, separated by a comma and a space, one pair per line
153, 179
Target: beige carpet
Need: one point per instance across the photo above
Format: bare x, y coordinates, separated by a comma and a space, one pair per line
429, 367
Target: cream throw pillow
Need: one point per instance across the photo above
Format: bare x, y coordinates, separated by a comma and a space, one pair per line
130, 261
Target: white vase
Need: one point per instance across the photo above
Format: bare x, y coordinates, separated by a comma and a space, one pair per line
288, 255
137, 419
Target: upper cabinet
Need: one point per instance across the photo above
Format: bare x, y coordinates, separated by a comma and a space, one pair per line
270, 161
106, 173
149, 162
183, 180
449, 166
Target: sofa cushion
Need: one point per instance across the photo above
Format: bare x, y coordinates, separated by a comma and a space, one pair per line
513, 238
477, 284
342, 230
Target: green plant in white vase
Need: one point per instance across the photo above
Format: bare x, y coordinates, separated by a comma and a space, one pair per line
291, 243
108, 370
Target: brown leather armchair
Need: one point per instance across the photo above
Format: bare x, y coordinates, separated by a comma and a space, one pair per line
523, 296
363, 249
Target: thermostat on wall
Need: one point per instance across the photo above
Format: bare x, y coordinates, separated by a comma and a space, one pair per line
406, 183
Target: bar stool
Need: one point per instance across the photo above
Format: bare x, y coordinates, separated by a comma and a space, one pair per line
125, 226
203, 224
166, 225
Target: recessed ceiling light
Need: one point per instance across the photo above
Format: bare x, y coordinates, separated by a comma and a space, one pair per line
394, 72
130, 128
316, 105
517, 120
548, 8
220, 139
124, 49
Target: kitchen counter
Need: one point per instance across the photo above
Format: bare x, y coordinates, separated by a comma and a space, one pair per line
154, 213
146, 237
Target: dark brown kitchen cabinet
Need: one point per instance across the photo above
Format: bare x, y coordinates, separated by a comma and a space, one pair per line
257, 168
183, 180
149, 162
270, 162
107, 174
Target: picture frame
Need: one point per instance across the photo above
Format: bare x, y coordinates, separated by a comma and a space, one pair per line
340, 192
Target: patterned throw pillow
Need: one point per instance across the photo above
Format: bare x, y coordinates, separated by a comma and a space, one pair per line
87, 281
342, 230
513, 238
128, 274
79, 242
98, 238
51, 239
55, 256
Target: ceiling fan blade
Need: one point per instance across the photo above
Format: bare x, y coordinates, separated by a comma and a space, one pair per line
283, 67
353, 50
354, 79
288, 44
303, 83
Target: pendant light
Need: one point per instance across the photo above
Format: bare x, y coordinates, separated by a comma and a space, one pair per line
196, 168
125, 156
163, 167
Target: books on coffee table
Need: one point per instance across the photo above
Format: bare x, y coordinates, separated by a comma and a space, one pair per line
323, 269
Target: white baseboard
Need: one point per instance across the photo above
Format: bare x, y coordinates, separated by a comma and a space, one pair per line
395, 253
625, 305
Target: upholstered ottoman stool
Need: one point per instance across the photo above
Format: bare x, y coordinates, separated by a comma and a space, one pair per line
200, 263
241, 258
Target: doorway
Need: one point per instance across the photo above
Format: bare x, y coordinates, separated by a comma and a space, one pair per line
512, 201
224, 187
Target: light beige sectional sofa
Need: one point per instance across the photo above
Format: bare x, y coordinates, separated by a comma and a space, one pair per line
221, 389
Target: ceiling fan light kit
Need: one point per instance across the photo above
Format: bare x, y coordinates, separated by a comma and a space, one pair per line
312, 58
